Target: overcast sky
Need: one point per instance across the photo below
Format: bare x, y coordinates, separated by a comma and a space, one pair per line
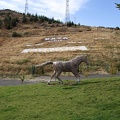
85, 12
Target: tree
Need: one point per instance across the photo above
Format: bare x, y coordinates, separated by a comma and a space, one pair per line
69, 24
1, 23
15, 34
117, 6
17, 20
36, 18
31, 18
10, 22
13, 22
7, 22
24, 19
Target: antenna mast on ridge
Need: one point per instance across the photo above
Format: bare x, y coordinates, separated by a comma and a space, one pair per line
67, 19
26, 7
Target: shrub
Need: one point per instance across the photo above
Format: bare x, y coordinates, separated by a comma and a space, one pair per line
7, 22
117, 28
24, 61
39, 71
15, 34
14, 22
118, 66
1, 23
24, 19
69, 24
112, 69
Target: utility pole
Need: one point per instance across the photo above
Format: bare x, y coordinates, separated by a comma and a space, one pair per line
75, 20
67, 19
26, 7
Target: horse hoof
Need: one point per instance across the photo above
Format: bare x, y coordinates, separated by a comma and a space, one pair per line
77, 82
61, 83
48, 83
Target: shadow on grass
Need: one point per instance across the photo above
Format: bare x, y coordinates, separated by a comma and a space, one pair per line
73, 85
66, 84
100, 80
70, 84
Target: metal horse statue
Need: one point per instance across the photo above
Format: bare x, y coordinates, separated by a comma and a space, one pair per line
66, 66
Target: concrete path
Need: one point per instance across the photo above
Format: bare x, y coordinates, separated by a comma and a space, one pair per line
36, 80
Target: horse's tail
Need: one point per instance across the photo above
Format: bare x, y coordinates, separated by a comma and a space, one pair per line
44, 64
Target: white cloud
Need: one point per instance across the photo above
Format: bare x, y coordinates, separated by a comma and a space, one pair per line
50, 8
5, 5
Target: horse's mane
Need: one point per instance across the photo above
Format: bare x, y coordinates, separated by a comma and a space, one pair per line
76, 57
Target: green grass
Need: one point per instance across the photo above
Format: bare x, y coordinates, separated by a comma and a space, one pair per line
93, 99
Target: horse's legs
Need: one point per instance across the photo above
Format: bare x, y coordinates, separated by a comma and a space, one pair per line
57, 76
51, 77
77, 75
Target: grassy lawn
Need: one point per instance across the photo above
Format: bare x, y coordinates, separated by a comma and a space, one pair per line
93, 99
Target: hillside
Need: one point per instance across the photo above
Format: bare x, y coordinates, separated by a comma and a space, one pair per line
10, 19
103, 45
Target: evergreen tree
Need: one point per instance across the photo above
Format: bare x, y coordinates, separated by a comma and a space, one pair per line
24, 19
42, 19
53, 20
17, 20
36, 18
50, 21
31, 18
28, 14
7, 22
1, 23
13, 22
69, 24
117, 6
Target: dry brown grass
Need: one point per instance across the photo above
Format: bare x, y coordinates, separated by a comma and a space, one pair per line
101, 43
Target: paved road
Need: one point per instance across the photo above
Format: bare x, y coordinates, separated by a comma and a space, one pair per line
13, 81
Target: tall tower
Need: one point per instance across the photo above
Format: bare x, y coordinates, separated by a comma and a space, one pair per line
67, 19
26, 7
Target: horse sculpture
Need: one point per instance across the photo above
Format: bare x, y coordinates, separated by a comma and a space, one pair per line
66, 66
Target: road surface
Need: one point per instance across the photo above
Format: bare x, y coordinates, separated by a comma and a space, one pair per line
36, 80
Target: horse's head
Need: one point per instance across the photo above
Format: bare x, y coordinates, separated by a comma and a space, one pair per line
79, 59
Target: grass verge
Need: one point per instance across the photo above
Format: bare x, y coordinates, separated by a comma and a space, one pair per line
95, 99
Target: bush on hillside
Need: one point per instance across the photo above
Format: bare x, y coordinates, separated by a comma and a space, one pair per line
15, 34
1, 23
117, 28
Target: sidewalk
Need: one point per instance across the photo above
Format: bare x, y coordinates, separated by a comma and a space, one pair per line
15, 81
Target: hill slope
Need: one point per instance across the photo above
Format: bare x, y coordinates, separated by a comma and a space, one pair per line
102, 43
